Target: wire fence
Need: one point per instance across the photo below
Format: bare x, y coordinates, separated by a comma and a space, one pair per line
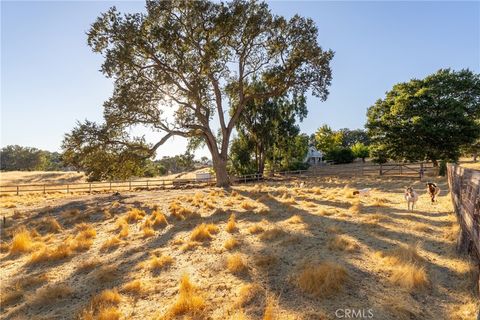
363, 169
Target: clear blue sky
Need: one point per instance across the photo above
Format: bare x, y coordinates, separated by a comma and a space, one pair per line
50, 77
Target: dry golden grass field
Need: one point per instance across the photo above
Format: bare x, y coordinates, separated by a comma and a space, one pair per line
267, 251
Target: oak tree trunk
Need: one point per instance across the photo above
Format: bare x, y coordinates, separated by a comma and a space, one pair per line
221, 174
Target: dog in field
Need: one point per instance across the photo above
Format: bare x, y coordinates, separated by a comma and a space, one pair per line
433, 190
411, 197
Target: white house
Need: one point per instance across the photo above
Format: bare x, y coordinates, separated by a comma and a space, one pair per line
313, 156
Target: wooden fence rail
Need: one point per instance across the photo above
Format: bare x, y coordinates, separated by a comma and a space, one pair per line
389, 169
464, 186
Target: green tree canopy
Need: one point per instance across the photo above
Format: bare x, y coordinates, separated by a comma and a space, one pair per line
326, 139
182, 63
360, 151
14, 157
428, 119
265, 124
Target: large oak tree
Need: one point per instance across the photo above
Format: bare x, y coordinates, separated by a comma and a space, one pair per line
181, 64
427, 119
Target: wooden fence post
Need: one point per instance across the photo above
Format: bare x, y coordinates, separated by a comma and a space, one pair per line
17, 190
90, 188
68, 189
44, 189
381, 173
147, 184
110, 185
130, 185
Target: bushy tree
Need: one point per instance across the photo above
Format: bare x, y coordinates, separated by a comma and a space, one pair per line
427, 119
195, 60
351, 137
360, 151
265, 124
326, 139
340, 155
14, 157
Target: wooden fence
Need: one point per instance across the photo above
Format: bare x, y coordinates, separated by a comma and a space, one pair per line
414, 170
464, 186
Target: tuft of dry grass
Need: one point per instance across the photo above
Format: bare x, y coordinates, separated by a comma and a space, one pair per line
265, 260
190, 245
248, 205
106, 274
421, 227
294, 219
402, 254
452, 232
402, 308
270, 312
236, 263
356, 208
62, 251
189, 301
134, 287
158, 219
247, 293
147, 229
342, 243
410, 276
11, 296
204, 232
255, 229
103, 306
322, 279
231, 224
88, 265
180, 212
231, 243
110, 243
52, 225
22, 242
49, 294
134, 215
157, 263
272, 234
465, 311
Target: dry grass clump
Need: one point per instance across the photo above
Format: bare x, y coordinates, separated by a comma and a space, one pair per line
248, 205
84, 238
134, 287
4, 246
62, 251
103, 306
374, 218
255, 229
231, 243
270, 312
402, 254
111, 243
190, 245
322, 279
342, 243
147, 229
465, 311
294, 219
410, 276
122, 225
22, 242
88, 265
231, 224
49, 294
379, 202
272, 234
134, 215
288, 200
247, 293
189, 302
356, 208
106, 274
204, 232
11, 295
159, 262
180, 212
158, 219
402, 308
265, 260
334, 229
236, 263
52, 225
421, 227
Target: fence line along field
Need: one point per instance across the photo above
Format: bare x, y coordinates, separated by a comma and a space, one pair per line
271, 250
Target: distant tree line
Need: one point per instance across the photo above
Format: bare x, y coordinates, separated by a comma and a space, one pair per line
14, 157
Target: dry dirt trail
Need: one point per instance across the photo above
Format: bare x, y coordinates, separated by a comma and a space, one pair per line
286, 253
